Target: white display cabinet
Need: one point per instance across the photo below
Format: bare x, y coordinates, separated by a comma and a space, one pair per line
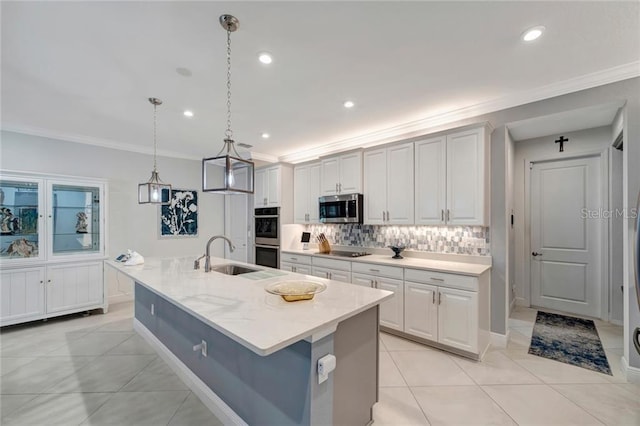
52, 244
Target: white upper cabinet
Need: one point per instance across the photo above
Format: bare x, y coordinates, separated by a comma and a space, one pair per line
341, 174
451, 179
389, 182
431, 175
306, 191
269, 186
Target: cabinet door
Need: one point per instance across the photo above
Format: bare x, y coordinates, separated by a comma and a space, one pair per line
430, 181
75, 219
286, 266
392, 311
273, 186
362, 280
421, 310
21, 295
74, 286
301, 194
314, 193
329, 176
342, 276
21, 220
400, 190
260, 189
458, 319
320, 272
350, 173
465, 178
302, 269
375, 186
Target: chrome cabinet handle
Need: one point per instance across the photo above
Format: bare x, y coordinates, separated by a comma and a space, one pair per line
202, 347
294, 258
448, 215
336, 188
536, 254
293, 269
372, 283
442, 215
374, 270
439, 298
437, 279
433, 301
388, 216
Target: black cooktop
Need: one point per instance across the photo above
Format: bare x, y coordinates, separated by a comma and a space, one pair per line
340, 253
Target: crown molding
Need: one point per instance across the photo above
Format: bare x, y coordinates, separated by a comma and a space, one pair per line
89, 140
422, 126
107, 143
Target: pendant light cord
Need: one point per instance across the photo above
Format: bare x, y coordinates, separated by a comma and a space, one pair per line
155, 144
228, 133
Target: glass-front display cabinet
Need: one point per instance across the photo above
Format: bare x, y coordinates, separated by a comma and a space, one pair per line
52, 246
75, 219
21, 219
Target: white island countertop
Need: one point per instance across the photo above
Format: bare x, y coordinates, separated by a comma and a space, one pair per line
240, 308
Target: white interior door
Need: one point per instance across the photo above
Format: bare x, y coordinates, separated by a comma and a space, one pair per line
237, 224
565, 235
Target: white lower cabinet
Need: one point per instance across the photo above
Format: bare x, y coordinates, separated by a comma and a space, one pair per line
421, 310
337, 270
21, 294
295, 267
28, 294
446, 315
458, 319
384, 278
70, 287
331, 274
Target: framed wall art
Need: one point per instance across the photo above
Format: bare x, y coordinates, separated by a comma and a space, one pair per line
179, 218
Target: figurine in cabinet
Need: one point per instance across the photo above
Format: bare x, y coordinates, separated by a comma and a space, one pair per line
9, 224
22, 248
81, 224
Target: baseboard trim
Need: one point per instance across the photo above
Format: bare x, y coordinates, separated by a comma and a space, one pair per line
209, 398
520, 301
631, 373
500, 340
512, 305
120, 298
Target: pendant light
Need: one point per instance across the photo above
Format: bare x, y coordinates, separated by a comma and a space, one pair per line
227, 172
154, 191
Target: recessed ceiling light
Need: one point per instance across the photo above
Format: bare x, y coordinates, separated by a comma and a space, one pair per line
348, 104
533, 33
265, 136
188, 113
265, 58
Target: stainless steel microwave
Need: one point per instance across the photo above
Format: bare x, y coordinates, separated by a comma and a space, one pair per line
343, 208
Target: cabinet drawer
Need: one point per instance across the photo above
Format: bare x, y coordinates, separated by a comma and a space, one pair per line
377, 270
441, 279
342, 265
295, 258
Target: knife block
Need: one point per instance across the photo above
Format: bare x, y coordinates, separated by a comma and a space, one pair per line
324, 247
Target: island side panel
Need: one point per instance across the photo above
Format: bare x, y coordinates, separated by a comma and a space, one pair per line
355, 386
277, 389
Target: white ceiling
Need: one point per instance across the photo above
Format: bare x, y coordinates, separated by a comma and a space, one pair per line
84, 71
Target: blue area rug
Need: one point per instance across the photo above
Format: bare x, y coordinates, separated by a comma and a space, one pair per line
570, 340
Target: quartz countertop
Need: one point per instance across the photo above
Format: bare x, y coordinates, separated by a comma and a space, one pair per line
240, 308
463, 268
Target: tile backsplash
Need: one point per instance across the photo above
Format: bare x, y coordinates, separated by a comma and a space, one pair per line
440, 239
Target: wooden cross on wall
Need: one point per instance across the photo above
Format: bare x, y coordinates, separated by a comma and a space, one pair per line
561, 141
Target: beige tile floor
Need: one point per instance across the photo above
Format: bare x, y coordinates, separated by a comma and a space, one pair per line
96, 371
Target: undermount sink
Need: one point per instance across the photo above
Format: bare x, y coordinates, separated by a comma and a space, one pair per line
231, 269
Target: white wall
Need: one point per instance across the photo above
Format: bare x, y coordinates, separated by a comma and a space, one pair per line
590, 140
130, 225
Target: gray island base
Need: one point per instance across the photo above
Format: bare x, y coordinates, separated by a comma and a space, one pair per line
243, 387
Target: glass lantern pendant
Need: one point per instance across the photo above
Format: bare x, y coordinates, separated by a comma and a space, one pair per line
154, 191
227, 172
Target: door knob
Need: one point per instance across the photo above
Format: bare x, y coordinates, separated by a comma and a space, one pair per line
536, 254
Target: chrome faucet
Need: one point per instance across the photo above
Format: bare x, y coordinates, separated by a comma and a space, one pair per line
207, 259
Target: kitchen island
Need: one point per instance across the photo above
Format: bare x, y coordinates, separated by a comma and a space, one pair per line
251, 356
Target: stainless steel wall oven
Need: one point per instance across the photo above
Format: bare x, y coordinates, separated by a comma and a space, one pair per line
267, 236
